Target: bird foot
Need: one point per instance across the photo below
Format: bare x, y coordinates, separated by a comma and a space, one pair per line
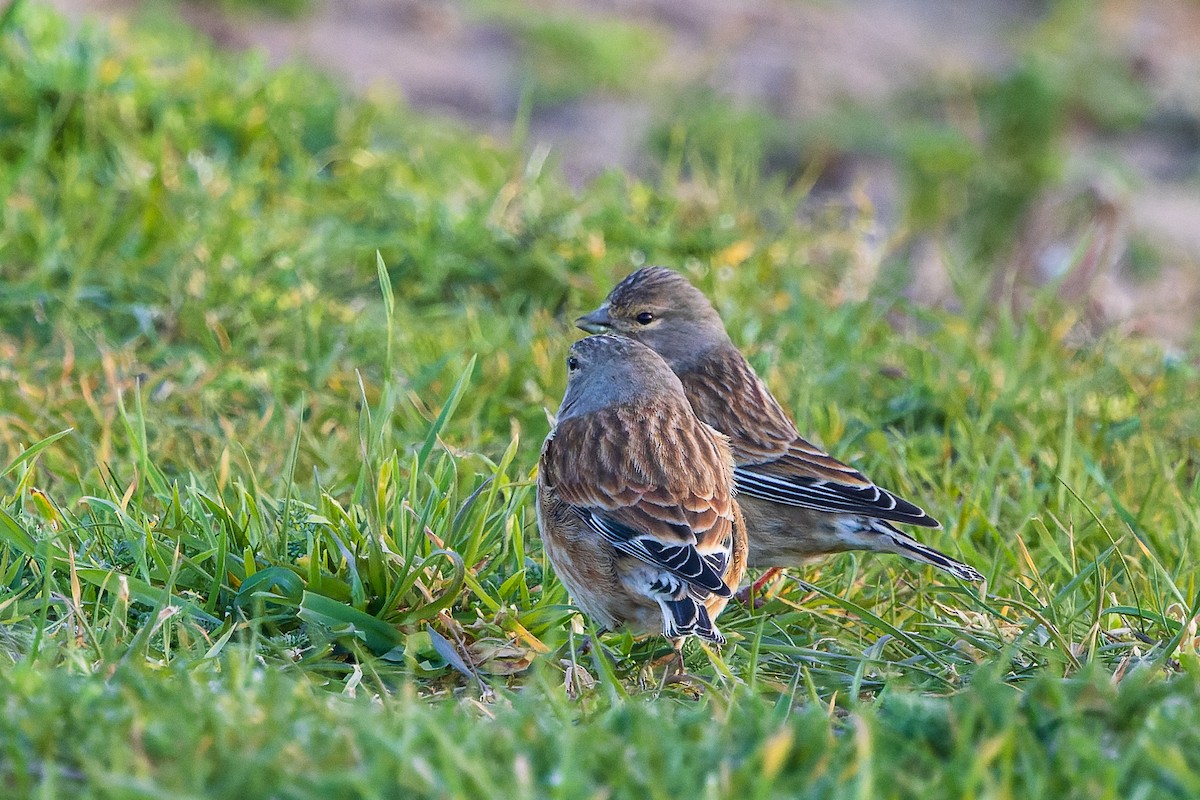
692, 683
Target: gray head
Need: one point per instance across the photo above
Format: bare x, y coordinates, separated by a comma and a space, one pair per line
661, 309
604, 371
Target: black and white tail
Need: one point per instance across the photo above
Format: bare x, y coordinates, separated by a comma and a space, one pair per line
685, 616
909, 547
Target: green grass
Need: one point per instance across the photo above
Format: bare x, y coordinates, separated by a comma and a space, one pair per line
268, 733
563, 56
974, 150
265, 499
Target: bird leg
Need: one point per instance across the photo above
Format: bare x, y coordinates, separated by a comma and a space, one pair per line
677, 646
678, 674
672, 660
755, 589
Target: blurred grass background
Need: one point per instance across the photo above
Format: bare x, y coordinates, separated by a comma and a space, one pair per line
275, 363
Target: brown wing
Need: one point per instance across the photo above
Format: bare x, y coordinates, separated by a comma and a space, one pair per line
657, 484
773, 461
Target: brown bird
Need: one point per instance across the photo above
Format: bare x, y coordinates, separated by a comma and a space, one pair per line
799, 502
635, 497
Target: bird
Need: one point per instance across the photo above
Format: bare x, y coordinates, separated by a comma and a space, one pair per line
635, 497
798, 501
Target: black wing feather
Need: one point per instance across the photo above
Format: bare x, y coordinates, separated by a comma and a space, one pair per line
823, 495
683, 561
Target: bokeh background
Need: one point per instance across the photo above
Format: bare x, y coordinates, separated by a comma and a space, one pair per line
1026, 144
285, 294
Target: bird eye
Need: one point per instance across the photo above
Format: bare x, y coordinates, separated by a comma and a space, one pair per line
645, 318
572, 363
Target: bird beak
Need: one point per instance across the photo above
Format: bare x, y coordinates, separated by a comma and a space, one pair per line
596, 322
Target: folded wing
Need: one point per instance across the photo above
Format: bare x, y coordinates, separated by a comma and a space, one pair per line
808, 478
656, 487
773, 461
682, 559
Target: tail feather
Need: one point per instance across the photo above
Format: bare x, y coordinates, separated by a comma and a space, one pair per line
909, 547
685, 616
